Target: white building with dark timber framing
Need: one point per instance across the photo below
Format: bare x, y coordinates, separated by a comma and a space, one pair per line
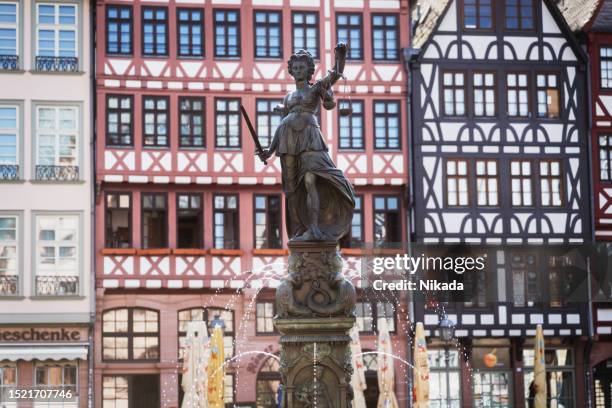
500, 167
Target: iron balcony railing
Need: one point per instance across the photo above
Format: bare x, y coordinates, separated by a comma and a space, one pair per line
57, 285
9, 62
9, 285
57, 64
9, 172
57, 173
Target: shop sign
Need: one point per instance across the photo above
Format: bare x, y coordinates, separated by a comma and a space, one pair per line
42, 334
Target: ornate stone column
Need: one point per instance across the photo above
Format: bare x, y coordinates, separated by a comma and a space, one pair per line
315, 307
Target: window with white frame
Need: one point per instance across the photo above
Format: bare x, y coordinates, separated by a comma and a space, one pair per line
605, 157
227, 122
453, 91
605, 66
265, 314
517, 89
9, 31
56, 142
457, 192
267, 119
551, 183
487, 183
156, 112
9, 139
56, 30
115, 391
484, 94
57, 258
521, 180
9, 273
549, 104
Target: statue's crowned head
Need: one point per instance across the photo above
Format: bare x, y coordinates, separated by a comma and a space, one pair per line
302, 56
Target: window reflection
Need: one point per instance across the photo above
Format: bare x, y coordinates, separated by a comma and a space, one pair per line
444, 379
559, 376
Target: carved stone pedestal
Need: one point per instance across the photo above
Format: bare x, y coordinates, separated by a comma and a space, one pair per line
316, 362
315, 312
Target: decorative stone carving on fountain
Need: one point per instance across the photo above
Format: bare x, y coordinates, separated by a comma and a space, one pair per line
315, 285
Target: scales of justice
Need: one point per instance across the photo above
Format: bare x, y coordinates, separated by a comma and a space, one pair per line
315, 303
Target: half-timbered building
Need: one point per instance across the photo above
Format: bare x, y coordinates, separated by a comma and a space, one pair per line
598, 33
500, 160
191, 222
598, 39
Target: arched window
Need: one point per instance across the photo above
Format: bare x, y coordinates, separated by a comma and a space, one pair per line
130, 334
268, 381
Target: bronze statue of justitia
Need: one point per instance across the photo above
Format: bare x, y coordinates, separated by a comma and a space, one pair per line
320, 200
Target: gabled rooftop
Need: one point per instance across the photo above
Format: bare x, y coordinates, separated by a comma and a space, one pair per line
576, 12
602, 22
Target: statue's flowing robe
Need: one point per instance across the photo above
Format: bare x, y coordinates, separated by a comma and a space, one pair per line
300, 145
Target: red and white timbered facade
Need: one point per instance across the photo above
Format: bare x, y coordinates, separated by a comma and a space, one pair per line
191, 218
138, 166
600, 54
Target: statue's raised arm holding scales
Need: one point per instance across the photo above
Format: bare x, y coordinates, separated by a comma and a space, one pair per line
320, 200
